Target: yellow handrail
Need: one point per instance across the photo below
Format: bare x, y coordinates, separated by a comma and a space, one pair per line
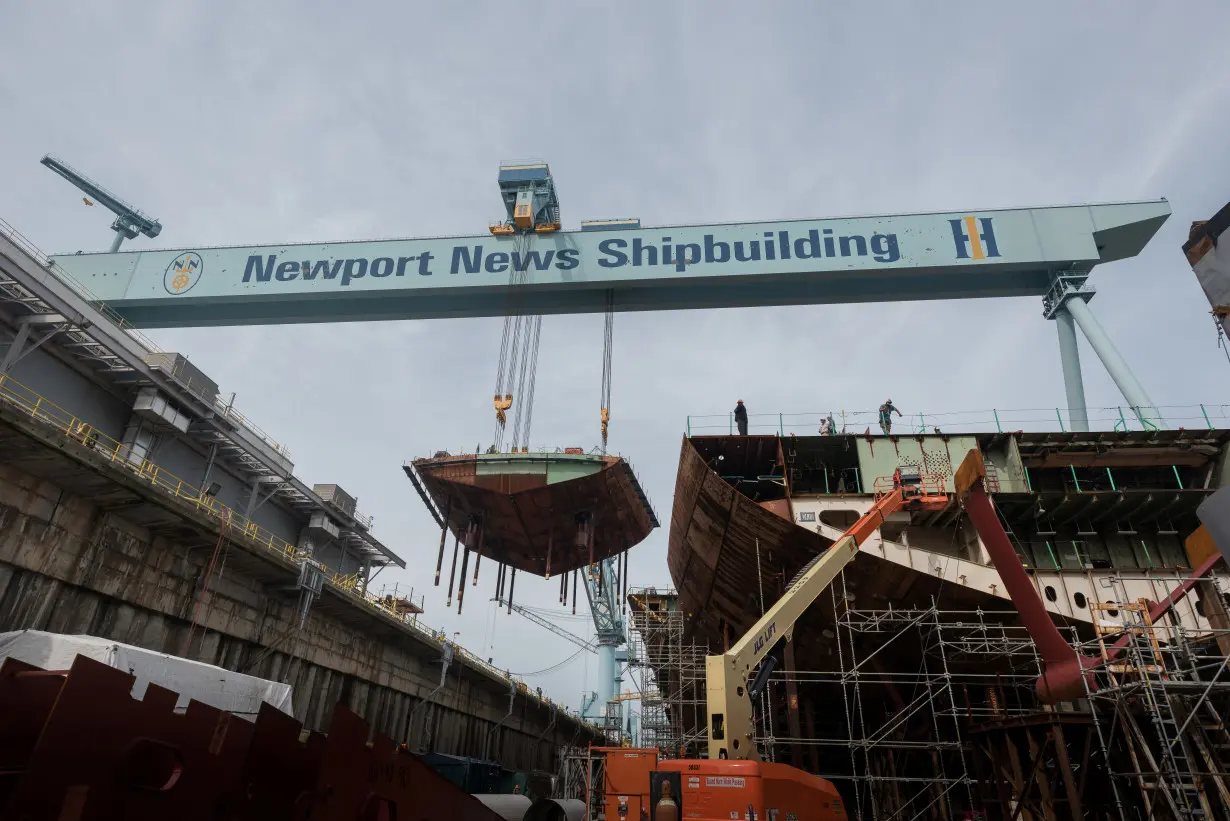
85, 435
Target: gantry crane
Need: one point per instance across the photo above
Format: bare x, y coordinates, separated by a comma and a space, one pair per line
128, 220
547, 623
603, 581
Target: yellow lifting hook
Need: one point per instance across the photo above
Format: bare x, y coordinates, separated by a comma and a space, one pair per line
502, 405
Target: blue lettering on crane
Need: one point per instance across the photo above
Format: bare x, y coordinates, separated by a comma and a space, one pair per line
615, 252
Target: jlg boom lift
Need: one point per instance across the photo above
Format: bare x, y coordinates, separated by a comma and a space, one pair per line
733, 782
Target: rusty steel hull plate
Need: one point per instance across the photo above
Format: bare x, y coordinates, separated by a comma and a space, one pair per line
529, 505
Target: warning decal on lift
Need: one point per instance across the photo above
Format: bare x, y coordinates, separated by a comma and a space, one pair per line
723, 781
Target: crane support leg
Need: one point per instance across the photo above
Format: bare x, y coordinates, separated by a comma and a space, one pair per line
1118, 369
1070, 359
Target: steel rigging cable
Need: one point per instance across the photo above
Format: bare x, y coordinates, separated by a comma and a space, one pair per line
607, 344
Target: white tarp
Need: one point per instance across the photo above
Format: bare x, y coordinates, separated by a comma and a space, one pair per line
193, 680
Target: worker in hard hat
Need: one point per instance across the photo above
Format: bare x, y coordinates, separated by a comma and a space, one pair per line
741, 417
827, 426
886, 416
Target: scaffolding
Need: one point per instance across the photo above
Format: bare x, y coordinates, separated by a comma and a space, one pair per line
931, 713
1159, 707
669, 672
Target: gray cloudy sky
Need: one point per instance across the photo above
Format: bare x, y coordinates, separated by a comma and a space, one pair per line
257, 122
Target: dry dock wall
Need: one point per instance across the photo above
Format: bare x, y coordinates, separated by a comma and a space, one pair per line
68, 565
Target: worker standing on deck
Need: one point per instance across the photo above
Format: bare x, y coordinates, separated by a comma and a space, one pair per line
827, 426
741, 417
886, 416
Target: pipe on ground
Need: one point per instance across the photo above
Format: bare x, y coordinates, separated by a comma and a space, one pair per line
506, 806
556, 809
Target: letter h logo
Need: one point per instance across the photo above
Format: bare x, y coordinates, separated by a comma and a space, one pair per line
974, 237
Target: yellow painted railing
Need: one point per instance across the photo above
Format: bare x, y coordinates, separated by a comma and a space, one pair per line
80, 432
27, 401
221, 407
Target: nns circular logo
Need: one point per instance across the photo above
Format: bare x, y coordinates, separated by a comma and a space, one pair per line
183, 273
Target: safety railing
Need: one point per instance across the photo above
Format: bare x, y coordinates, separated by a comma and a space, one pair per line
28, 402
991, 420
221, 407
39, 408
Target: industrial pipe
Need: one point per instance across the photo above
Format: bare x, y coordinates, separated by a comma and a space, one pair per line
556, 809
1061, 679
478, 552
443, 539
461, 588
452, 575
550, 542
506, 806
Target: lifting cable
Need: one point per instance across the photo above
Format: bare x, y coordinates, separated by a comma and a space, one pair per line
553, 667
524, 365
517, 366
607, 343
521, 435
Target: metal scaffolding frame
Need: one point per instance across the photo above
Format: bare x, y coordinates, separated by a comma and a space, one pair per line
1159, 708
669, 672
931, 714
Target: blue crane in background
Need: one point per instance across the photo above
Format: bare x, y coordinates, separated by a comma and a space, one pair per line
128, 220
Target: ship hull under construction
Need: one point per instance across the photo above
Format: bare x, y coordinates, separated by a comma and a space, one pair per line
541, 513
909, 683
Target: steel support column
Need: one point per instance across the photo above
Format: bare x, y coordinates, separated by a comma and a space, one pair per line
1118, 369
1070, 358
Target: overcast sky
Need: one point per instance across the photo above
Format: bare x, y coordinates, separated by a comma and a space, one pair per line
294, 121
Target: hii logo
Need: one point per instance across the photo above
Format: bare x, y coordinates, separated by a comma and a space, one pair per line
183, 273
975, 237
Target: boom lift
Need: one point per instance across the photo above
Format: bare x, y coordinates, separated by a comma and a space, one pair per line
730, 702
745, 786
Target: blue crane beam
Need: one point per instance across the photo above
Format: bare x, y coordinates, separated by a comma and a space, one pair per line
128, 220
995, 253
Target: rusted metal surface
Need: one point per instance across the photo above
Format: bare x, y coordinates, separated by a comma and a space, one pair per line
716, 535
77, 746
516, 518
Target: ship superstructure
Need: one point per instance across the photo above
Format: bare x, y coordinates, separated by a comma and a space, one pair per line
913, 674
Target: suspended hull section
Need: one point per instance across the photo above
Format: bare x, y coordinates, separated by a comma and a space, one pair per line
544, 514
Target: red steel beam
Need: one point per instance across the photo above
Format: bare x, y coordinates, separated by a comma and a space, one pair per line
1063, 667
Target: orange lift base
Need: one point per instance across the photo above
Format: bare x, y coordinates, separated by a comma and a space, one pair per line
722, 790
